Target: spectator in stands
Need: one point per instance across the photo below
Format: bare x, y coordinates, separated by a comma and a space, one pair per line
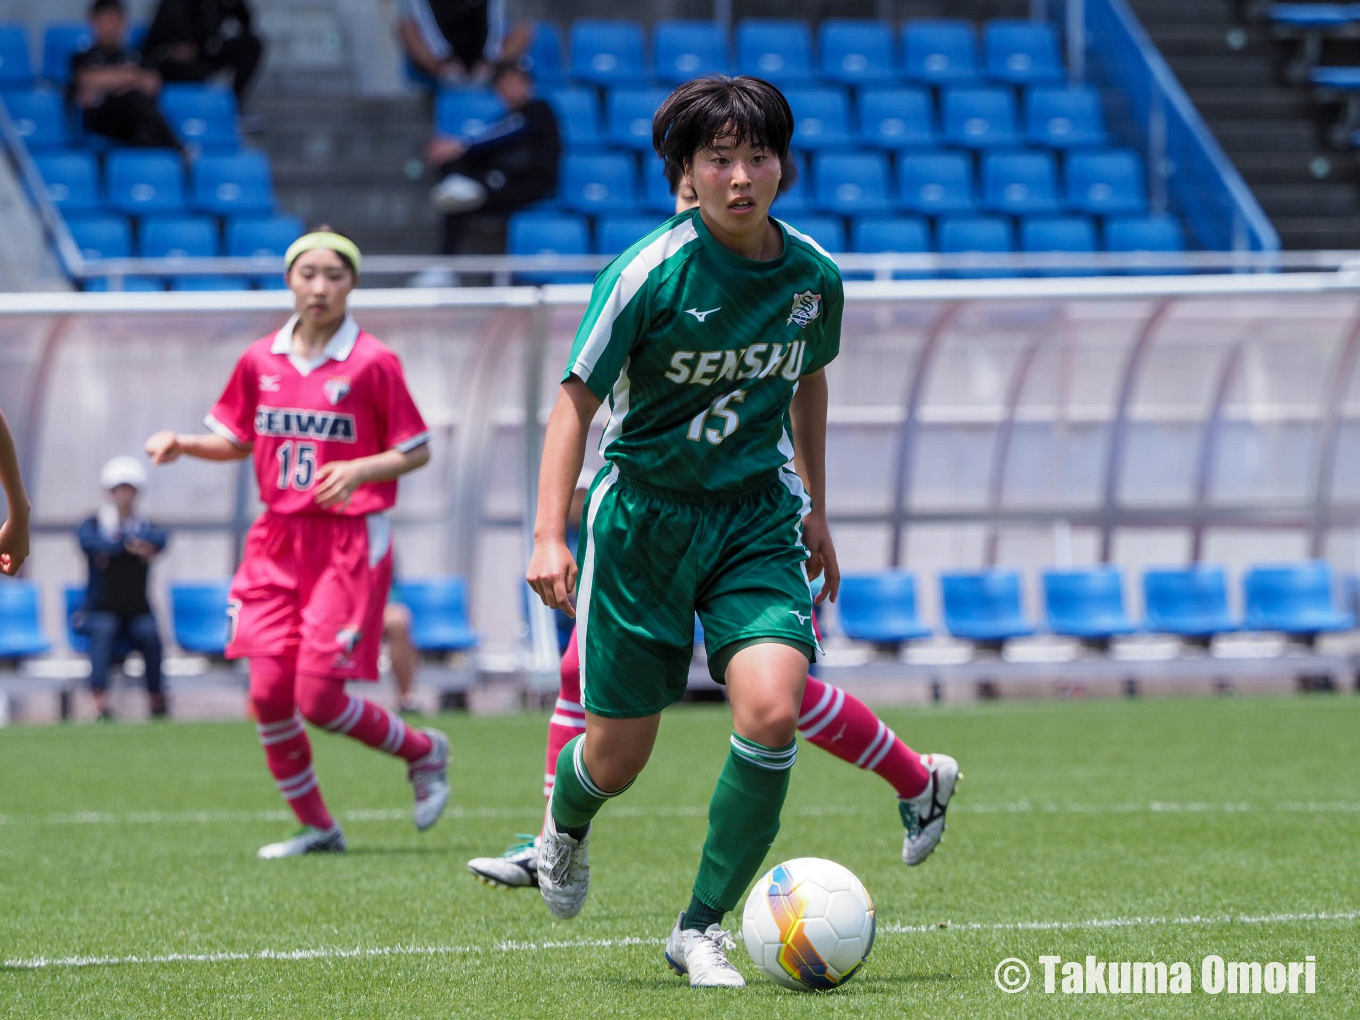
14, 530
510, 165
191, 40
458, 42
115, 93
120, 546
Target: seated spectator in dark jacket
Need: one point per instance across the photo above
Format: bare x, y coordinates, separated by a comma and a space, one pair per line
458, 42
117, 96
191, 40
119, 546
510, 165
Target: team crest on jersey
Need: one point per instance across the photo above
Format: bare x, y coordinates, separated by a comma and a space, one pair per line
337, 388
806, 307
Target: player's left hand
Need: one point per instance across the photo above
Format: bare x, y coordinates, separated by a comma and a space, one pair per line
336, 482
821, 555
13, 546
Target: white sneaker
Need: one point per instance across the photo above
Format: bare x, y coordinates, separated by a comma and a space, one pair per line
514, 869
307, 841
563, 870
923, 815
429, 776
703, 956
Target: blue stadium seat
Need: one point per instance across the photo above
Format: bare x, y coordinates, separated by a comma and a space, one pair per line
608, 52
857, 52
262, 235
144, 181
1021, 52
984, 607
780, 51
1087, 604
72, 180
897, 119
235, 184
852, 184
21, 633
1144, 233
73, 596
1191, 602
979, 118
544, 58
827, 231
39, 119
984, 234
548, 233
199, 612
614, 234
940, 52
185, 237
1065, 118
688, 49
874, 234
656, 191
16, 71
578, 114
628, 117
880, 608
202, 283
61, 43
202, 115
465, 113
1019, 183
439, 620
130, 284
1059, 234
597, 183
936, 183
101, 235
1294, 598
795, 200
821, 117
1103, 183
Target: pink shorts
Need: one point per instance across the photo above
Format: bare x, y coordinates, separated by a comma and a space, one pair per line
313, 587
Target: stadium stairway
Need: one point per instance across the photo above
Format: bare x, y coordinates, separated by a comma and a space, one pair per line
1230, 69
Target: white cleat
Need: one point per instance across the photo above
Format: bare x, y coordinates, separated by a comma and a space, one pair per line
923, 815
514, 869
308, 841
430, 778
703, 956
563, 870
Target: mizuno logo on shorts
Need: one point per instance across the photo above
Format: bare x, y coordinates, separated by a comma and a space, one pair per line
701, 316
802, 617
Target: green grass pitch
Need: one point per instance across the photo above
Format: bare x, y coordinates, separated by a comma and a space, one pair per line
1142, 831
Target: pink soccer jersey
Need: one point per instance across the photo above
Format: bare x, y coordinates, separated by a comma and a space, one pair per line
350, 402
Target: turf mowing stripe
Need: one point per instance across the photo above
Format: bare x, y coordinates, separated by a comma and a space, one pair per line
41, 962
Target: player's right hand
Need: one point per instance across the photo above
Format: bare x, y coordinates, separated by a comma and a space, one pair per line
13, 546
163, 447
552, 575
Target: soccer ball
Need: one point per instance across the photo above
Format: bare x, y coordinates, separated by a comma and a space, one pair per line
808, 924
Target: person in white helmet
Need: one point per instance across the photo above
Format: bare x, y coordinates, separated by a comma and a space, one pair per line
120, 546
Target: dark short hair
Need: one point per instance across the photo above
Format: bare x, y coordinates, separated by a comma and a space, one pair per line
697, 113
106, 6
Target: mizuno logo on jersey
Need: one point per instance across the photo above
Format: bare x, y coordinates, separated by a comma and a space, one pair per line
269, 383
295, 423
806, 307
701, 316
702, 368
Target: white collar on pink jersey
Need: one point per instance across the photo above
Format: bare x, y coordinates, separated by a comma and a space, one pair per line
337, 349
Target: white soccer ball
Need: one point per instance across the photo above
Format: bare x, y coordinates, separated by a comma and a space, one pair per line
808, 924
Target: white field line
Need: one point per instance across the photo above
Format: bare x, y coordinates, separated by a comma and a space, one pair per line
690, 811
359, 952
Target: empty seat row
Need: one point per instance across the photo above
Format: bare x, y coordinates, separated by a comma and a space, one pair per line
1192, 603
139, 181
850, 51
202, 116
110, 236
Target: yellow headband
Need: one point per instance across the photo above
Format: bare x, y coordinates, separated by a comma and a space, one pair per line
321, 239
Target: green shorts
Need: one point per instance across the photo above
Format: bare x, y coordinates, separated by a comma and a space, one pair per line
650, 559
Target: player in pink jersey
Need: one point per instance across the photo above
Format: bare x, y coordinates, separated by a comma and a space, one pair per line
831, 718
324, 410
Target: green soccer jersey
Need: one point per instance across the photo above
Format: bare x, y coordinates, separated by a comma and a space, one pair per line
699, 351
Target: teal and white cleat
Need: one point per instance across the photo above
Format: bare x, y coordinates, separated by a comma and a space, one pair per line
307, 841
430, 778
563, 870
517, 868
923, 815
702, 956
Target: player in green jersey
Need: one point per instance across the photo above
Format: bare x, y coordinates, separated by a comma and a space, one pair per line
702, 336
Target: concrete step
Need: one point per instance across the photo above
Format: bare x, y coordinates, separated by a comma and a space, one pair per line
1164, 12
1223, 69
1199, 39
1246, 101
1318, 199
1262, 135
1297, 168
1318, 232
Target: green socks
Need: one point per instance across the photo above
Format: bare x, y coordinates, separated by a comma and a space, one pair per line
743, 819
576, 799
